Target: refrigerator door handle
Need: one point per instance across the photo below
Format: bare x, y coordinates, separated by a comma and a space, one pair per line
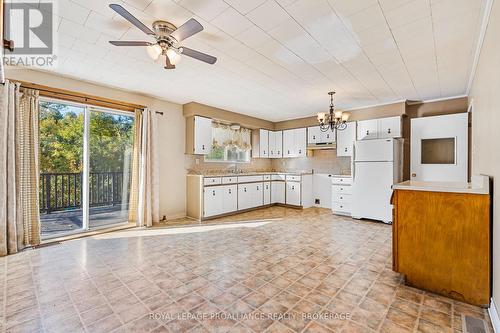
353, 162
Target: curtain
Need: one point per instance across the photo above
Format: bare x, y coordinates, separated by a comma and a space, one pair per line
144, 207
19, 172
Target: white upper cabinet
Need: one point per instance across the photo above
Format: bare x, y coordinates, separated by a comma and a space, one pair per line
300, 142
367, 129
295, 142
345, 140
202, 132
289, 143
275, 144
314, 135
379, 128
264, 143
278, 144
389, 127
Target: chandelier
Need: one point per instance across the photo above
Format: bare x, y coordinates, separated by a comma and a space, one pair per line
335, 120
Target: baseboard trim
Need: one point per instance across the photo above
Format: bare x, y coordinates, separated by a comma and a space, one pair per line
495, 320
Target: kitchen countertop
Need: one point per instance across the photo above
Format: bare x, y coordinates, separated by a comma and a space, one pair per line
256, 173
479, 185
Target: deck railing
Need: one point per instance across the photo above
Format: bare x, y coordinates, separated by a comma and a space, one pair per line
63, 191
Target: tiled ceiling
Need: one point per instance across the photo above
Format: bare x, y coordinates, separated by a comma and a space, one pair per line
277, 59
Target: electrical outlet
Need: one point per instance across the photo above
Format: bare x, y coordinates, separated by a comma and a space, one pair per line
317, 201
197, 161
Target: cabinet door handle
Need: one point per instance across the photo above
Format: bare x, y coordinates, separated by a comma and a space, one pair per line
314, 137
300, 151
202, 147
278, 152
288, 152
245, 189
345, 149
367, 132
293, 187
389, 130
213, 193
257, 188
229, 191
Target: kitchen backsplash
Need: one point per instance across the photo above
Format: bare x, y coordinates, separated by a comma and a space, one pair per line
321, 161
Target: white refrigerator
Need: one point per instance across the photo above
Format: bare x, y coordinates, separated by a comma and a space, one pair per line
378, 164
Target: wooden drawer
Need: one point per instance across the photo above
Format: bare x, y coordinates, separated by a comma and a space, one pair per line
250, 179
212, 181
341, 180
342, 198
292, 178
341, 189
340, 207
278, 177
229, 180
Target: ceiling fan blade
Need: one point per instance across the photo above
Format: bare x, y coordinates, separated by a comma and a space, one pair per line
129, 43
186, 30
131, 18
199, 55
168, 64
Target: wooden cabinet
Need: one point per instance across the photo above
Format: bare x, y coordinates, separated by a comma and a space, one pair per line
345, 140
264, 143
379, 128
267, 193
389, 127
278, 192
198, 135
293, 194
295, 142
441, 243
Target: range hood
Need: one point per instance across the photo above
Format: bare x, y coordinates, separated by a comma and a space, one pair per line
317, 146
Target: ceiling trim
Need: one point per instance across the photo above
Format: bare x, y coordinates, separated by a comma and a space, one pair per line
482, 34
441, 99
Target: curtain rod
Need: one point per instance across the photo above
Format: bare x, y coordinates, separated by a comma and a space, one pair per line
75, 97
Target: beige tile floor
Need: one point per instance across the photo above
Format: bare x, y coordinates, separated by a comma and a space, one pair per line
307, 271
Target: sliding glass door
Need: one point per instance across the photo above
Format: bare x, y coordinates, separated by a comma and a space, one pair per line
111, 141
85, 167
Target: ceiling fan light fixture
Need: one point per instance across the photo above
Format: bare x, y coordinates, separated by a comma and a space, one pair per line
173, 56
154, 51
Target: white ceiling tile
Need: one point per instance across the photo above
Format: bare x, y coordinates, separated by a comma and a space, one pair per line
388, 5
366, 18
72, 11
268, 15
116, 28
253, 37
99, 6
245, 6
139, 4
207, 9
408, 13
168, 10
78, 31
348, 8
232, 22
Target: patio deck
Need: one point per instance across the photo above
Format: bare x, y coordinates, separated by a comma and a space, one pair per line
71, 220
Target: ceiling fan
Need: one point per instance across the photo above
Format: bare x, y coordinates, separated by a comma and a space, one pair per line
167, 36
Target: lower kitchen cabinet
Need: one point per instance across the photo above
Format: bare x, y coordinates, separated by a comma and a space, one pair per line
229, 198
267, 193
250, 195
293, 194
278, 192
212, 200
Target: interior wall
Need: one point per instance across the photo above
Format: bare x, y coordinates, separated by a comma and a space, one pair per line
324, 161
485, 123
170, 139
